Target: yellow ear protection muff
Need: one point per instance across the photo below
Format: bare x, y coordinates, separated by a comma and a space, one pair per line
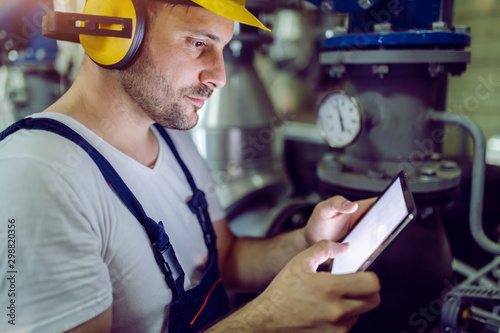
112, 52
110, 31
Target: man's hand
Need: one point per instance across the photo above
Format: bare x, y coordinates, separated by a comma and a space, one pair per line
301, 299
332, 219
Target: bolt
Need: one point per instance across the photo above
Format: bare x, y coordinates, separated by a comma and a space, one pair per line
381, 70
382, 28
440, 26
335, 166
337, 31
327, 6
365, 4
427, 172
329, 157
435, 69
462, 29
332, 162
436, 157
336, 71
90, 25
448, 166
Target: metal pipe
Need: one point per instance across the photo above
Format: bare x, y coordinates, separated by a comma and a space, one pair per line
471, 274
478, 176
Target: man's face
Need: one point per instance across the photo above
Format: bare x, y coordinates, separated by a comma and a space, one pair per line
179, 65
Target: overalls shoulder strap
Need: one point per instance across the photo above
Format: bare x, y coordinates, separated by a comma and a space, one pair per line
163, 250
198, 203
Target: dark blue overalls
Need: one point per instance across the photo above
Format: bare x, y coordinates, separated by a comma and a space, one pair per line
190, 310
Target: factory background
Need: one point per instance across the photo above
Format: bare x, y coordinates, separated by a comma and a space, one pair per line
267, 157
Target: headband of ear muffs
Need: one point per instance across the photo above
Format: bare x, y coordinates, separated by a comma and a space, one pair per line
110, 31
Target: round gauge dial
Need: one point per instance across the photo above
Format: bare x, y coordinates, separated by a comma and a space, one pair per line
339, 119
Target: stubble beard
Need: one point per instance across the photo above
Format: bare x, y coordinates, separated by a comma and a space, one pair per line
151, 91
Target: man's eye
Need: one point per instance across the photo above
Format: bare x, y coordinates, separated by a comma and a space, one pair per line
198, 44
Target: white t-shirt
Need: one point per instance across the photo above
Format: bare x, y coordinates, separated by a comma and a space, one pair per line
78, 249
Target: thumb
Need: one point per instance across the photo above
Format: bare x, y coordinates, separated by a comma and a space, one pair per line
320, 252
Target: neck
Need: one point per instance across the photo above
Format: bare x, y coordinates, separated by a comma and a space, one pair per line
97, 100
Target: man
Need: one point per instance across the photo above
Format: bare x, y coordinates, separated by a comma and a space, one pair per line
83, 262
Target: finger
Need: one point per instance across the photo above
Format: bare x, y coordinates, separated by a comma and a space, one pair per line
355, 307
335, 205
345, 324
358, 285
363, 205
320, 252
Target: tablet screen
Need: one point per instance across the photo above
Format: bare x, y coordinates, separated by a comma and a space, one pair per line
389, 211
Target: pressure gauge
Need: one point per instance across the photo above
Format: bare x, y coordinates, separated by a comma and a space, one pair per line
339, 119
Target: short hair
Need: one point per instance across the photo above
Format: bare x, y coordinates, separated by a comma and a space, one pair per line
154, 6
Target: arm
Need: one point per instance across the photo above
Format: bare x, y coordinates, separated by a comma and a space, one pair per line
62, 281
300, 299
249, 264
99, 324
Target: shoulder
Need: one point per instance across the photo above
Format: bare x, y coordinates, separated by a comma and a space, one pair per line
42, 151
38, 166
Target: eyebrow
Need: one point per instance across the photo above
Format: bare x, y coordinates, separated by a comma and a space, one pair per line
204, 33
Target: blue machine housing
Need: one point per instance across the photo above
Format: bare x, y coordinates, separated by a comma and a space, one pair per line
410, 25
409, 39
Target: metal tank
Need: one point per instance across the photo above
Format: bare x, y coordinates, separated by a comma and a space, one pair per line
395, 57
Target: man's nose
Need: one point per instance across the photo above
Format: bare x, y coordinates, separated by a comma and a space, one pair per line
214, 74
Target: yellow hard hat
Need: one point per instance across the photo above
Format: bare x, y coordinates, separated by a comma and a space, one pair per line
232, 9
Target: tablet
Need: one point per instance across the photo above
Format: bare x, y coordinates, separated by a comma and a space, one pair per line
390, 213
